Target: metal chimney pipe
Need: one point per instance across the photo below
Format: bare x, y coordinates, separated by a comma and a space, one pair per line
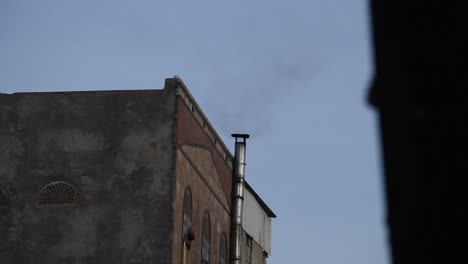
237, 197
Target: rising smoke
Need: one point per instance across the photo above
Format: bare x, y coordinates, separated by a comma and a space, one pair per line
248, 97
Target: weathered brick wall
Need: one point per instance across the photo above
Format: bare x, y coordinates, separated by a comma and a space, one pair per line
190, 131
116, 148
200, 168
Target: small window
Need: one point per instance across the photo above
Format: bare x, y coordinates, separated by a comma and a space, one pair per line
187, 233
248, 247
206, 233
187, 213
59, 193
265, 256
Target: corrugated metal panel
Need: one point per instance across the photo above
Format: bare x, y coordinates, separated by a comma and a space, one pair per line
256, 222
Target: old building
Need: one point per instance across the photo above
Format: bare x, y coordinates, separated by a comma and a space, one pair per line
136, 176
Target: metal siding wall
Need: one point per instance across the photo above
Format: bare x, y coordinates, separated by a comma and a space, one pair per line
268, 234
256, 222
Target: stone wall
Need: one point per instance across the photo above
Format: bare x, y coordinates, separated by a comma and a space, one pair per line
115, 149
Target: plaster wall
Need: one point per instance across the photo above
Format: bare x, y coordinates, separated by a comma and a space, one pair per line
116, 147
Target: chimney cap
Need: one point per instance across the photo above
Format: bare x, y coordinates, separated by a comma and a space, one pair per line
240, 135
243, 136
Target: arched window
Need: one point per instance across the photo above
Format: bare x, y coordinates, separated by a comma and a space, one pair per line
59, 193
206, 235
223, 250
187, 233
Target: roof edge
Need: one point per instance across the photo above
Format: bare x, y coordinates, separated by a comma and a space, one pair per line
184, 92
66, 92
260, 201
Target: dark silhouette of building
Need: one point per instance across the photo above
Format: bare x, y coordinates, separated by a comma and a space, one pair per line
420, 93
121, 177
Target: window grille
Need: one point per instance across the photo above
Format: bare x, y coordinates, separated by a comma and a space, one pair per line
205, 253
59, 193
206, 234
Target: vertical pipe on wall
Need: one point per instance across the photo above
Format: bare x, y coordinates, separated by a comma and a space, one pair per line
237, 197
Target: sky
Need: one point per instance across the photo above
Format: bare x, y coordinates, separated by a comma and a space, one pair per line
293, 74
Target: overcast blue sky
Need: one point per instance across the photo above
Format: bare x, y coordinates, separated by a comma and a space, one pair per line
293, 74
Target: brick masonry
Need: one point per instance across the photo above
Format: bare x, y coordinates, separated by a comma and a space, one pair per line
200, 167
